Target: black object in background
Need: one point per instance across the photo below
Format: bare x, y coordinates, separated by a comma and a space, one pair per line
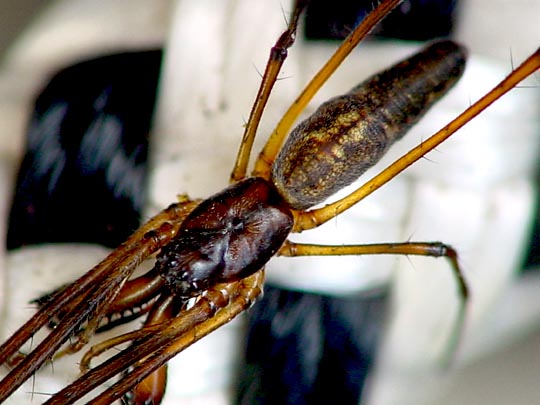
83, 176
413, 20
532, 259
309, 348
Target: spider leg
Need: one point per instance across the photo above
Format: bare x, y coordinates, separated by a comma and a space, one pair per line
275, 141
432, 249
145, 241
278, 54
214, 309
100, 285
152, 388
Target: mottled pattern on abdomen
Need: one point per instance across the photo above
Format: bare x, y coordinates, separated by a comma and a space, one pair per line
350, 133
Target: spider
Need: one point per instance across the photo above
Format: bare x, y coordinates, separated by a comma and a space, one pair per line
225, 276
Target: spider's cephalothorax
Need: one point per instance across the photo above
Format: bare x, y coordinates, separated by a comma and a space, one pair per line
227, 237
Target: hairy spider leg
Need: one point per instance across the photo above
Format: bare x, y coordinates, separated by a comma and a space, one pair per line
171, 338
273, 145
104, 281
278, 54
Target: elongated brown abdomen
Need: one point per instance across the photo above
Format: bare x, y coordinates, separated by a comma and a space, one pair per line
350, 133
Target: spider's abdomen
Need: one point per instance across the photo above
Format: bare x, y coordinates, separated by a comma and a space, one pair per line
350, 133
227, 237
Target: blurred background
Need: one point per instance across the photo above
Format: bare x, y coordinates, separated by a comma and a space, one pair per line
502, 378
